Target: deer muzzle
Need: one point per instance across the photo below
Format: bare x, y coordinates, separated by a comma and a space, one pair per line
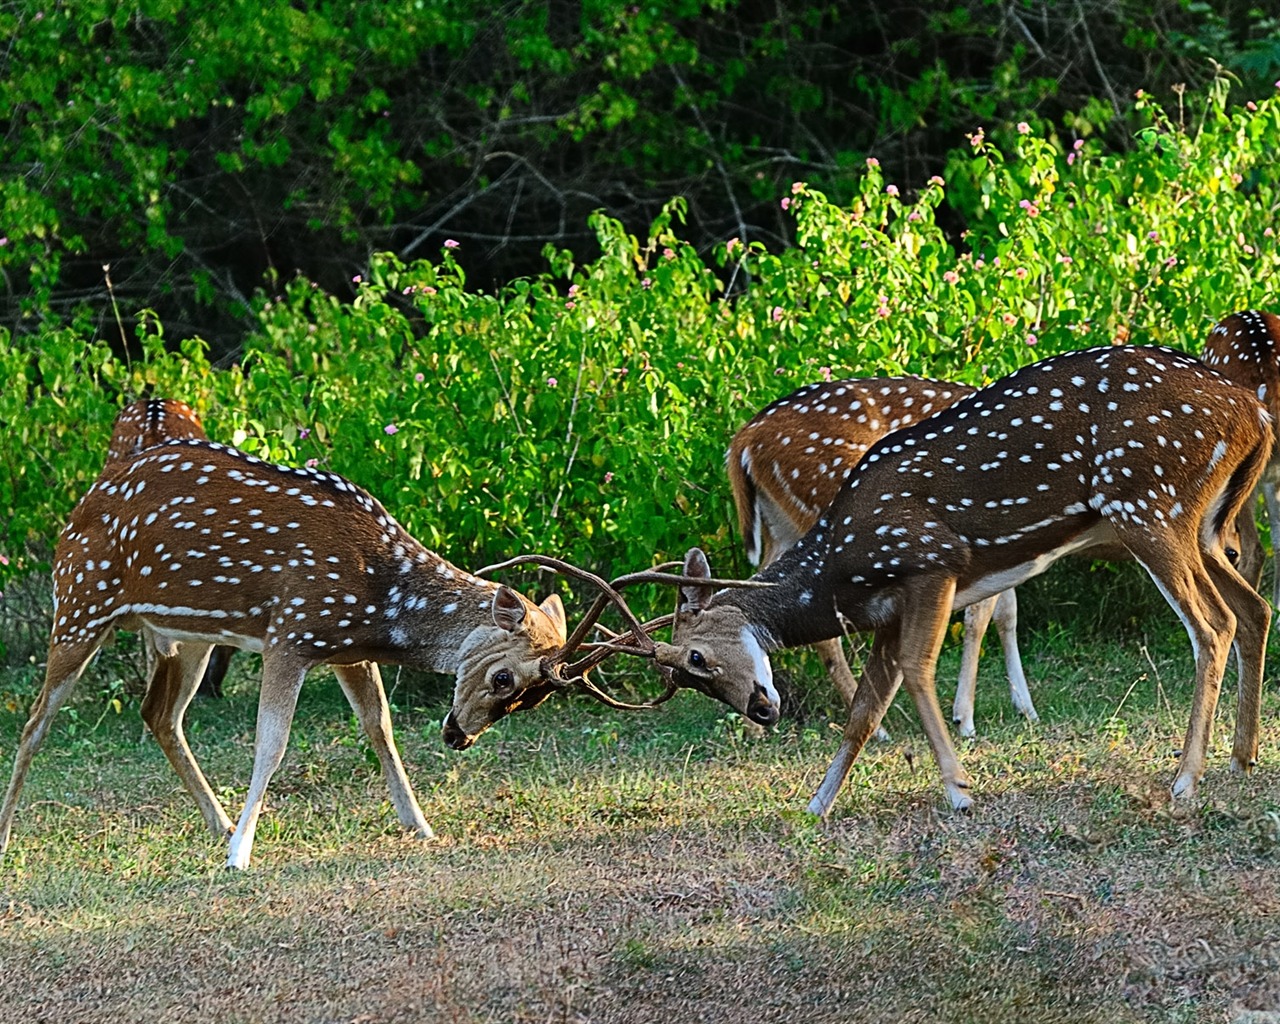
453, 736
761, 708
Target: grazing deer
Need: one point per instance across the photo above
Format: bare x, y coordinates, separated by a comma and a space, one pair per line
145, 424
786, 466
203, 544
1245, 348
1135, 446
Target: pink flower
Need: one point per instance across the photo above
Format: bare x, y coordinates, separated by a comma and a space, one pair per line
1078, 145
1032, 339
312, 463
1064, 259
951, 277
570, 304
824, 372
573, 290
1020, 273
786, 202
976, 139
646, 283
882, 311
732, 244
1153, 236
391, 428
797, 187
552, 382
428, 290
1071, 158
419, 377
1251, 106
1030, 207
4, 241
891, 190
1024, 128
608, 477
1010, 319
668, 254
4, 559
872, 162
304, 433
777, 313
451, 243
935, 180
1172, 261
356, 279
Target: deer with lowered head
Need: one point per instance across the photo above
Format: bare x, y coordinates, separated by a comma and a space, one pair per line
1245, 348
1140, 447
202, 544
787, 464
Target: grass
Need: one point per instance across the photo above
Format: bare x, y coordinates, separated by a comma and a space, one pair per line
593, 866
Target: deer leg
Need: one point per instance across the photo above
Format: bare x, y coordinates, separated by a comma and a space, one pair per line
1253, 621
926, 612
362, 683
66, 663
880, 681
1185, 583
1006, 618
1273, 516
1251, 557
281, 682
977, 617
173, 683
832, 654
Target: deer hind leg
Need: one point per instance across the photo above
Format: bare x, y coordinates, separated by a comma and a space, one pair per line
172, 685
282, 678
1253, 621
1273, 516
66, 663
926, 612
362, 684
1006, 618
1180, 574
831, 652
1251, 558
881, 677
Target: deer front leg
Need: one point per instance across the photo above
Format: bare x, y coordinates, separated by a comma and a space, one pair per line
362, 683
173, 683
880, 681
926, 609
831, 652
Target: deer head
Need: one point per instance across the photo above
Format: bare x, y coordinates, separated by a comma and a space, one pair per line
502, 666
737, 673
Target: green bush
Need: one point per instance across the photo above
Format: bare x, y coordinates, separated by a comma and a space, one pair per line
584, 412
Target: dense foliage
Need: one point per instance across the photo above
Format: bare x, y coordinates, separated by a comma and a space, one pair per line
203, 150
585, 411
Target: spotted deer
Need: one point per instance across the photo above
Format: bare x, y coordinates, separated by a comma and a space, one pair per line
1245, 348
786, 466
1137, 447
145, 424
203, 544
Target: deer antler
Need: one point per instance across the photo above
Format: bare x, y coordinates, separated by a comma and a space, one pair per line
637, 640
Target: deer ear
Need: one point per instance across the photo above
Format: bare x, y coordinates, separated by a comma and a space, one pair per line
508, 609
554, 610
693, 598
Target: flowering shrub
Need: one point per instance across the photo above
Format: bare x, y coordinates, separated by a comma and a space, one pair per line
585, 412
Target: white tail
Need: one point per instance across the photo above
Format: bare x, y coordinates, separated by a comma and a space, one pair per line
1245, 348
1140, 447
786, 466
202, 544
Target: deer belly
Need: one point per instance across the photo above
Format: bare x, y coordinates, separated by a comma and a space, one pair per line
990, 584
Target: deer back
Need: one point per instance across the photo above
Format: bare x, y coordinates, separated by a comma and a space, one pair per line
787, 464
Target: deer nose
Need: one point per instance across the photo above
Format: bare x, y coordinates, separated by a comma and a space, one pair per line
453, 736
760, 708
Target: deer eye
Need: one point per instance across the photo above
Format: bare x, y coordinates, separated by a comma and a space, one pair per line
697, 660
503, 681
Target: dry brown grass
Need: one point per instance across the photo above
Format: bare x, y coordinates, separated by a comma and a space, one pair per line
593, 868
